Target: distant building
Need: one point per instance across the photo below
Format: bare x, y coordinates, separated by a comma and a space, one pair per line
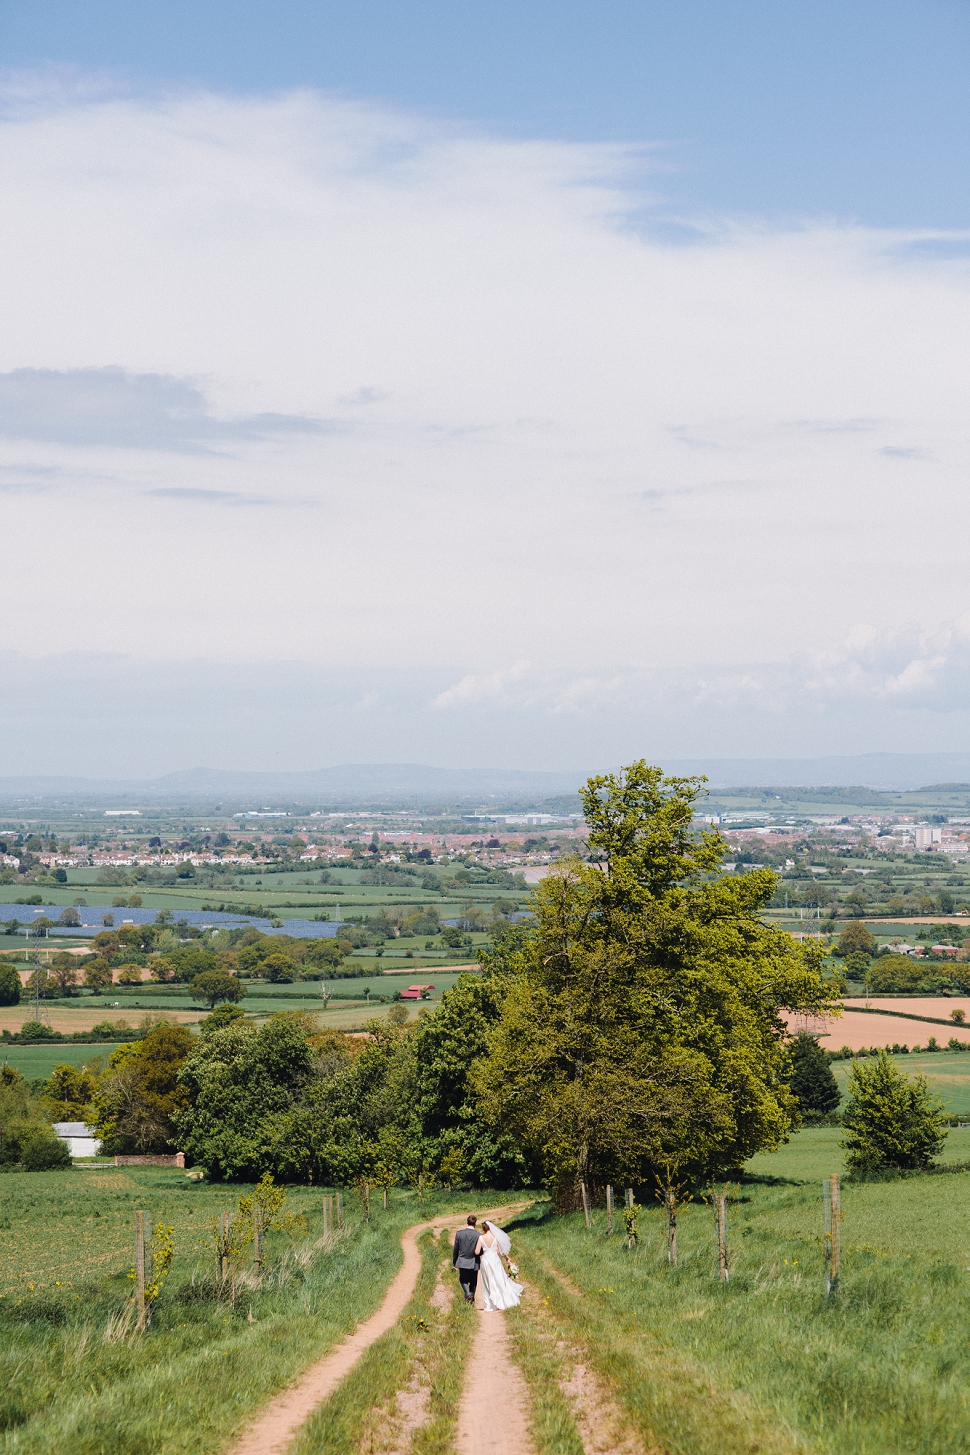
80, 1138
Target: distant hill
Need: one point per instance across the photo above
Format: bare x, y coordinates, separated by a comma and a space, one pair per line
858, 779
350, 783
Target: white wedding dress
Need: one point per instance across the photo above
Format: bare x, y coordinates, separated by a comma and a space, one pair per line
499, 1291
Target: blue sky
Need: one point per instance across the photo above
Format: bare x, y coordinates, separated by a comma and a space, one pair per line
779, 107
513, 385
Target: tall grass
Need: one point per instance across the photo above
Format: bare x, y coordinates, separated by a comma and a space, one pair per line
766, 1362
207, 1363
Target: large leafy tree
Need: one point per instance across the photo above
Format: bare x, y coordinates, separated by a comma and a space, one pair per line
218, 985
138, 1097
22, 1116
243, 1086
282, 1098
69, 1090
9, 985
640, 1038
450, 1121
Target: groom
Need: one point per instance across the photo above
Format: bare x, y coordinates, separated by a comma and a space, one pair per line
465, 1259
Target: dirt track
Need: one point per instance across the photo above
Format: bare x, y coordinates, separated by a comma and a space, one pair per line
280, 1420
494, 1414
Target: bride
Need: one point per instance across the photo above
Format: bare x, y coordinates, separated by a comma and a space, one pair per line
499, 1291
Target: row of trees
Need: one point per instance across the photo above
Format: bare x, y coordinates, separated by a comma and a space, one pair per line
632, 1034
888, 972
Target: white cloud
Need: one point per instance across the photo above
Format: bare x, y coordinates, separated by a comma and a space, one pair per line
548, 433
505, 687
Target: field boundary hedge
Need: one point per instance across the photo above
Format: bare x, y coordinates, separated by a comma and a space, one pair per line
905, 1015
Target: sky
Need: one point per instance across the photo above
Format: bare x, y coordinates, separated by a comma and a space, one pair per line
517, 386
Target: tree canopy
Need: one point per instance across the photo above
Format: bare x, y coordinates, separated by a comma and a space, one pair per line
856, 937
241, 1086
640, 1038
136, 1100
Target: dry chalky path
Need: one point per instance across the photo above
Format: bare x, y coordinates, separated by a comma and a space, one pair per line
275, 1428
494, 1414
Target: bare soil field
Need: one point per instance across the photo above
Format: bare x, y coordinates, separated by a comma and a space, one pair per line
60, 1018
939, 1005
856, 1030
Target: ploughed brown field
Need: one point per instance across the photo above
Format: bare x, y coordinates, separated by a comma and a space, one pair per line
855, 1030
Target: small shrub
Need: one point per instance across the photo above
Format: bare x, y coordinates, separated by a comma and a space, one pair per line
891, 1119
42, 1153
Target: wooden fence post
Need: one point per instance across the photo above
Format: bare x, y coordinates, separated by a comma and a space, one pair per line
421, 1187
224, 1247
140, 1271
384, 1190
258, 1240
609, 1211
340, 1209
670, 1209
327, 1216
584, 1190
835, 1235
629, 1197
720, 1204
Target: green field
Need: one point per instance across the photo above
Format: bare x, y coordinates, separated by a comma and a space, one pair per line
35, 1061
766, 1363
814, 1153
209, 1358
298, 892
351, 1010
263, 998
948, 1073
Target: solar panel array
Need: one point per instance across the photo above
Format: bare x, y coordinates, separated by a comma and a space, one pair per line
92, 917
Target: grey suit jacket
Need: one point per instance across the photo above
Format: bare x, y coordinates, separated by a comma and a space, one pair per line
463, 1254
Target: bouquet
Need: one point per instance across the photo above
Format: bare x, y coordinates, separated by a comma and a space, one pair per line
513, 1269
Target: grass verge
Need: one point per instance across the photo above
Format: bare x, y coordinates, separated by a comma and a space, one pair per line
551, 1422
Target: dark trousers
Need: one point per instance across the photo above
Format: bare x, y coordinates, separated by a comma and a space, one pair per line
468, 1278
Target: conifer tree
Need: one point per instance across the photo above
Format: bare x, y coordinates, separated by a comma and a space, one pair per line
812, 1080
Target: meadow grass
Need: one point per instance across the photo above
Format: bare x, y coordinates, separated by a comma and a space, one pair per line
948, 1072
39, 1061
814, 1153
767, 1362
208, 1361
